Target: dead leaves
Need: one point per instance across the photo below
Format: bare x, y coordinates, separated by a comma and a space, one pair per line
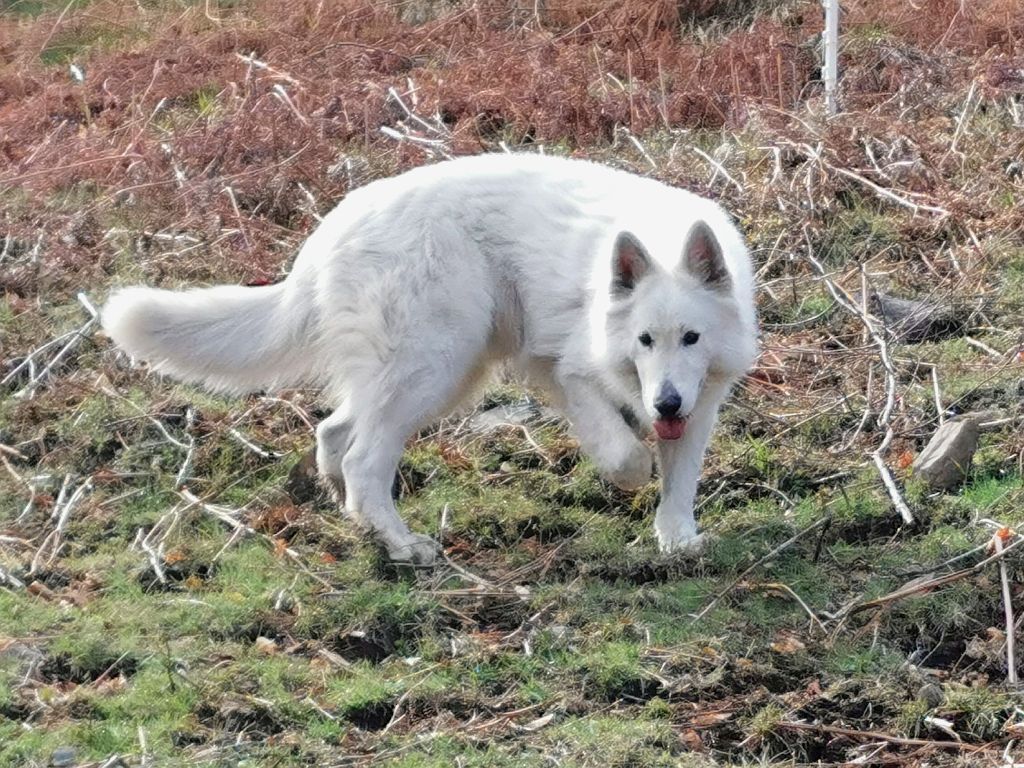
78, 593
787, 644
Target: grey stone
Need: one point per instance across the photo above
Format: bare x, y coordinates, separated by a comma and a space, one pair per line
517, 415
63, 757
931, 694
23, 658
945, 461
913, 321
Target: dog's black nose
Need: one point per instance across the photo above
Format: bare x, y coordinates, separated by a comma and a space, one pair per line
668, 401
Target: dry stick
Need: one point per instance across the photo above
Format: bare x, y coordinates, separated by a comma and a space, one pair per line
31, 503
639, 147
889, 482
719, 168
784, 545
156, 554
983, 347
890, 384
778, 585
255, 63
235, 536
878, 736
62, 509
153, 555
230, 192
152, 419
888, 194
144, 760
960, 123
30, 357
867, 409
938, 581
29, 389
223, 514
440, 131
938, 394
1011, 658
190, 447
470, 576
297, 409
263, 453
438, 144
279, 92
843, 300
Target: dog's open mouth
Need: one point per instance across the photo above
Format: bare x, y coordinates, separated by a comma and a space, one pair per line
670, 429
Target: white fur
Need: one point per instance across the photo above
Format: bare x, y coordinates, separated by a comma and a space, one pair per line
414, 285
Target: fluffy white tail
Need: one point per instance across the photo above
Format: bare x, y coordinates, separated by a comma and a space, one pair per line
230, 338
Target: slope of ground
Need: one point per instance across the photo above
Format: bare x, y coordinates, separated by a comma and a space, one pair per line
175, 590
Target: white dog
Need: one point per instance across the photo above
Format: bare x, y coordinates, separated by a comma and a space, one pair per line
617, 295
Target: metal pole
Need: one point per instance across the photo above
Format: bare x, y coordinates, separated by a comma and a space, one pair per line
830, 70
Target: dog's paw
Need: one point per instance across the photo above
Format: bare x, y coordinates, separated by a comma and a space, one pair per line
414, 548
633, 469
680, 543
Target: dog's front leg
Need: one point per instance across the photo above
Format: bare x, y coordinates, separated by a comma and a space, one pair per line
680, 463
604, 435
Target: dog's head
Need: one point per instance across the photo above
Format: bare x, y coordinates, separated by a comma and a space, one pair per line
673, 318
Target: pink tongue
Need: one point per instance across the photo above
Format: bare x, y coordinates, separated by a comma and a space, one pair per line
669, 429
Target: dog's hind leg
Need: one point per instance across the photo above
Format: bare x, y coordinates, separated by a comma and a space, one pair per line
361, 443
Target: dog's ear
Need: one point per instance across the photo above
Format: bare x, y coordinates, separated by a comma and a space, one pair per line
702, 257
630, 262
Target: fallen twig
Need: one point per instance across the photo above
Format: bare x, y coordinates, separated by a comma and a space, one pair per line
783, 546
226, 515
190, 447
247, 443
888, 481
62, 511
779, 586
878, 736
75, 339
29, 361
983, 347
1011, 658
884, 418
719, 168
929, 584
156, 553
888, 194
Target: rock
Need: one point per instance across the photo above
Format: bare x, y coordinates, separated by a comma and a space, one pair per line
63, 757
913, 321
517, 415
24, 659
931, 694
945, 461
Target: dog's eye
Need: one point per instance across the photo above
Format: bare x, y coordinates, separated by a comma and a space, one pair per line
690, 337
646, 340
